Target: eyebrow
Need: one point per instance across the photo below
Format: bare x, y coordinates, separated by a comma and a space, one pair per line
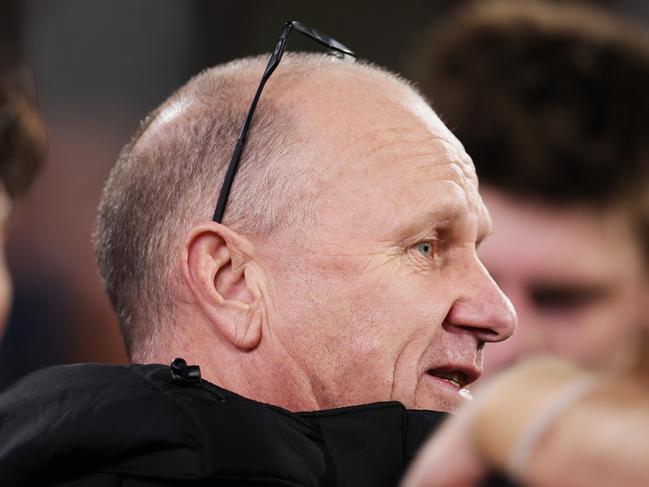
446, 210
448, 214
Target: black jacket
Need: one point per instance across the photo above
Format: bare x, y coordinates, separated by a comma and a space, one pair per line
143, 425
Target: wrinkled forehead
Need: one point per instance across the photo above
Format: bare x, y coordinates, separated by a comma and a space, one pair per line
365, 132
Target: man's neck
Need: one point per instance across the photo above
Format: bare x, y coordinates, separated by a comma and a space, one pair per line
262, 375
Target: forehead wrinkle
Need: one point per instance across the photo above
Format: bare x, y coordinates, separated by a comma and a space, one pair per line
454, 171
433, 165
378, 139
455, 204
457, 208
444, 205
458, 156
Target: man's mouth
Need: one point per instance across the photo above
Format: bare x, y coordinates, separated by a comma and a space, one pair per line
459, 378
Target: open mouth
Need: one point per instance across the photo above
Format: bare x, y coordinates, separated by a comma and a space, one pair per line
457, 378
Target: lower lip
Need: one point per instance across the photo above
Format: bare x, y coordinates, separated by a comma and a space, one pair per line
448, 388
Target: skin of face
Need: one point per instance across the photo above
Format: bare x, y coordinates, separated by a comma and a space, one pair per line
576, 278
384, 290
5, 280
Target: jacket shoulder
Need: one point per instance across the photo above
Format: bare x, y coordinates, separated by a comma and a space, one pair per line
79, 417
83, 420
65, 394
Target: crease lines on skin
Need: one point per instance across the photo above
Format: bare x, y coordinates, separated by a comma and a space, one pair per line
369, 148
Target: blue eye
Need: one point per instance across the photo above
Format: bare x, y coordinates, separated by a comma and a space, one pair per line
425, 248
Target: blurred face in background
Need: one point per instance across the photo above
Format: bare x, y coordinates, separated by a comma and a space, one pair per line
5, 281
576, 278
22, 150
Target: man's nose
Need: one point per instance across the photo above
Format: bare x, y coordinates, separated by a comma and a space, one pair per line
483, 309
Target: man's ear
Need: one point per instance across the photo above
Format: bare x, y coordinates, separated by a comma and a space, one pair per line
220, 272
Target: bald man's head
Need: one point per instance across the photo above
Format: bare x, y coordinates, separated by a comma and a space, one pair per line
167, 178
345, 270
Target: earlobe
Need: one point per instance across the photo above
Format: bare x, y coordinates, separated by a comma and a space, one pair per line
217, 269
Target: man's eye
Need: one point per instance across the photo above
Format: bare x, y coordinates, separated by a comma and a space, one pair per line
425, 249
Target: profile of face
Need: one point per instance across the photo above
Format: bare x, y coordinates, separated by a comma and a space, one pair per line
575, 277
383, 296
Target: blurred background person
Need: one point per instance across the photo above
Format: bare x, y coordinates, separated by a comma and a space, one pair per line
22, 149
544, 423
550, 100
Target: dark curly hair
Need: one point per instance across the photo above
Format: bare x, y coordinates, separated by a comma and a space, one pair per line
550, 100
22, 133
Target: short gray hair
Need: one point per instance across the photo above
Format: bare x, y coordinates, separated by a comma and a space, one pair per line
168, 177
